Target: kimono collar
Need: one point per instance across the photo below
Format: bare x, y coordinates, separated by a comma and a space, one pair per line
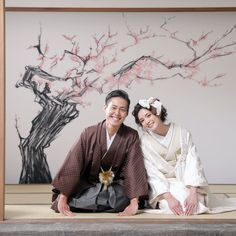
109, 140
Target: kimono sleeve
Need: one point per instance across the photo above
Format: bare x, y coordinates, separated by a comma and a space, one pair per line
194, 172
68, 176
135, 182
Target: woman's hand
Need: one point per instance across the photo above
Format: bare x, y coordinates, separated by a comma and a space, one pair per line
191, 202
131, 209
63, 207
173, 204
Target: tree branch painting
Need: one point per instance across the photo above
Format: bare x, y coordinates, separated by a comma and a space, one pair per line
107, 62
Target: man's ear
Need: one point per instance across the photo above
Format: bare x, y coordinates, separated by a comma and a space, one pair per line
104, 107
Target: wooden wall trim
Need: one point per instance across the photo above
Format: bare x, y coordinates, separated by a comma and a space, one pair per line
2, 110
129, 9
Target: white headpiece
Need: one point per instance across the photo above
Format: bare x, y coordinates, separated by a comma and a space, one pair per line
151, 102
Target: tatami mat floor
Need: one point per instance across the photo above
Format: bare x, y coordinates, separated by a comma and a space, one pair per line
32, 202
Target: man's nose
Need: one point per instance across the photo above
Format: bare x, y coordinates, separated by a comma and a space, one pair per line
117, 111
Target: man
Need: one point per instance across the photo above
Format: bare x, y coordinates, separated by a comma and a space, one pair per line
112, 148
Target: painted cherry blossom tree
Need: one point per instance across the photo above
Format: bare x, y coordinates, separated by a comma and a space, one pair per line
100, 70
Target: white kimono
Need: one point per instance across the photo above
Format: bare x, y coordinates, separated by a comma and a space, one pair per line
173, 164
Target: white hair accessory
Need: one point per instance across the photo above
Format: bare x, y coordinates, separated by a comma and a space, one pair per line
151, 102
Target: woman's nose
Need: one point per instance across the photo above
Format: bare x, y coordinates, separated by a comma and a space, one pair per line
145, 122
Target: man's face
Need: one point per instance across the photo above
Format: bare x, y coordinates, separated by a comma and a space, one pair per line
116, 111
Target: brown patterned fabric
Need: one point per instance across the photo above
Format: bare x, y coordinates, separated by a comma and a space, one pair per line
81, 167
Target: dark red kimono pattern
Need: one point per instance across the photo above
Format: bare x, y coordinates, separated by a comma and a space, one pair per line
83, 163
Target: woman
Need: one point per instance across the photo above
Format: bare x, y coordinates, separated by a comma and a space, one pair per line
175, 173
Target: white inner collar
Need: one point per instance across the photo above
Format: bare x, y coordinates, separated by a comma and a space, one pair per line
109, 140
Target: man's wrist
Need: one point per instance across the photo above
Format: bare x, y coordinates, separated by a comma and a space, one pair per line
63, 197
134, 201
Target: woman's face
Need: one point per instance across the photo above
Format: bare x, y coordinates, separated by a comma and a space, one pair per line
148, 120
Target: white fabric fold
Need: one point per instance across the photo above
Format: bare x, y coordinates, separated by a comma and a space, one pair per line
147, 103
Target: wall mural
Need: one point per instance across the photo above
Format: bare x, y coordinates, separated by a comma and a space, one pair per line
116, 57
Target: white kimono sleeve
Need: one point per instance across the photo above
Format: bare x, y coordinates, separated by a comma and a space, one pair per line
194, 173
157, 181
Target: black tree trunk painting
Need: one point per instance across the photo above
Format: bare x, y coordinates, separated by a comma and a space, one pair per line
55, 114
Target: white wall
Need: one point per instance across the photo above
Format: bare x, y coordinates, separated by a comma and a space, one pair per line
208, 112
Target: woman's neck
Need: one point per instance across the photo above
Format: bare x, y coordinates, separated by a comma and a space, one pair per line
162, 129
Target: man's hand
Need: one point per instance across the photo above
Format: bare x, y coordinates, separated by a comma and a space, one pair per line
191, 202
131, 209
63, 207
173, 204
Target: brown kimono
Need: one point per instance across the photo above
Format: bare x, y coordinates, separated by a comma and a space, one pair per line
83, 163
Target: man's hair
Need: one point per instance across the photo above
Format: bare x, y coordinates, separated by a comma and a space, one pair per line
118, 93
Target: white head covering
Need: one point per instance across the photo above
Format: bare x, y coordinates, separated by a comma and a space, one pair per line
147, 103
